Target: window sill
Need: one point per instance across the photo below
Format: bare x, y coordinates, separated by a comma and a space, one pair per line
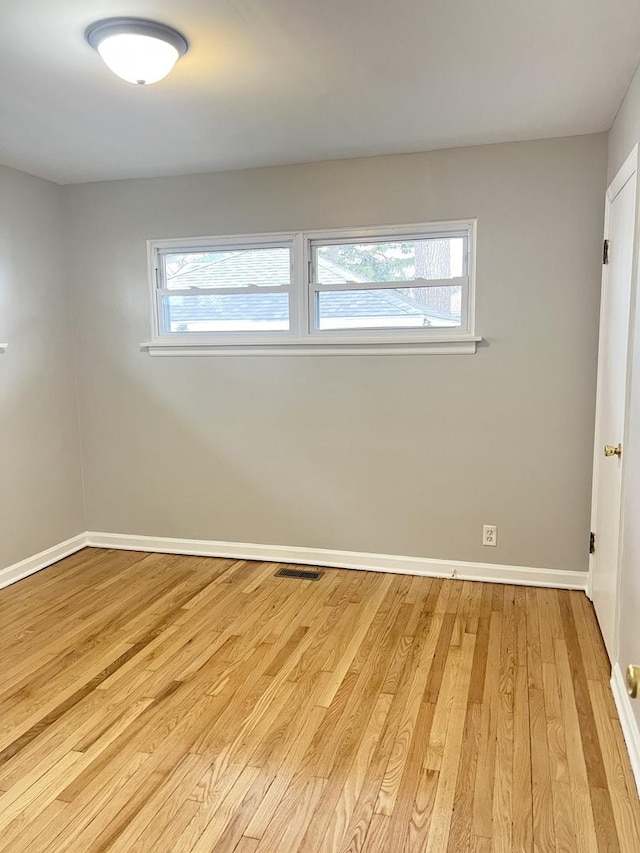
442, 345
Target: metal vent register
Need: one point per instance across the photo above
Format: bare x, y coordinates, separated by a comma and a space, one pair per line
301, 574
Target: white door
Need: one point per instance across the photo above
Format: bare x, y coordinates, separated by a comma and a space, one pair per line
618, 273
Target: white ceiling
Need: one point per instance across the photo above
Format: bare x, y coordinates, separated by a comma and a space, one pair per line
268, 82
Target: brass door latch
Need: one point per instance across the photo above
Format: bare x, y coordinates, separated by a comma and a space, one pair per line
633, 680
610, 450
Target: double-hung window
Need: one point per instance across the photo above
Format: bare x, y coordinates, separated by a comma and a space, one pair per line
408, 288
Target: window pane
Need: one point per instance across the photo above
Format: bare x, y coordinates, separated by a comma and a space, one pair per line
401, 308
400, 260
242, 312
229, 268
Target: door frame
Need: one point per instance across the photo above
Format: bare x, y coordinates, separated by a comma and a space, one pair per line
630, 166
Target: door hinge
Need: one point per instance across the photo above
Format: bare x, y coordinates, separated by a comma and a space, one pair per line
592, 542
605, 252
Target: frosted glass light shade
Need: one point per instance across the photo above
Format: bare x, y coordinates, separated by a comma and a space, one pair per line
136, 50
138, 59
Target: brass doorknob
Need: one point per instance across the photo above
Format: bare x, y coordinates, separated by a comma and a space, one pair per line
633, 680
610, 450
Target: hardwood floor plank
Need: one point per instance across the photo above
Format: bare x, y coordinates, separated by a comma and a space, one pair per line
376, 840
443, 806
534, 645
564, 818
503, 776
556, 739
426, 650
583, 822
246, 845
422, 812
484, 787
460, 834
400, 824
442, 693
522, 762
224, 814
541, 778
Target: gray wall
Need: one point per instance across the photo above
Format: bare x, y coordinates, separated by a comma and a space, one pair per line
625, 133
402, 455
40, 481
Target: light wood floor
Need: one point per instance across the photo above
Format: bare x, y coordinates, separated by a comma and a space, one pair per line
160, 703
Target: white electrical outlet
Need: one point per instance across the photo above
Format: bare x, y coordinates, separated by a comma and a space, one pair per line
490, 534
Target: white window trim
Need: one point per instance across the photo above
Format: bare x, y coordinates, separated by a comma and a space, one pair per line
302, 338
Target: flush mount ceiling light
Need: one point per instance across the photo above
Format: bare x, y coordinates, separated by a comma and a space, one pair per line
136, 50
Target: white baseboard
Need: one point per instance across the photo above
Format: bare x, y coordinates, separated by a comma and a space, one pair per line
489, 572
27, 567
589, 586
344, 559
628, 721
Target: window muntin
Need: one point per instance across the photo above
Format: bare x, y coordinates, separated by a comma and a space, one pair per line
394, 285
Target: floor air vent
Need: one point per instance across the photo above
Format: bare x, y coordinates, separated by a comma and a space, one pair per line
301, 574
